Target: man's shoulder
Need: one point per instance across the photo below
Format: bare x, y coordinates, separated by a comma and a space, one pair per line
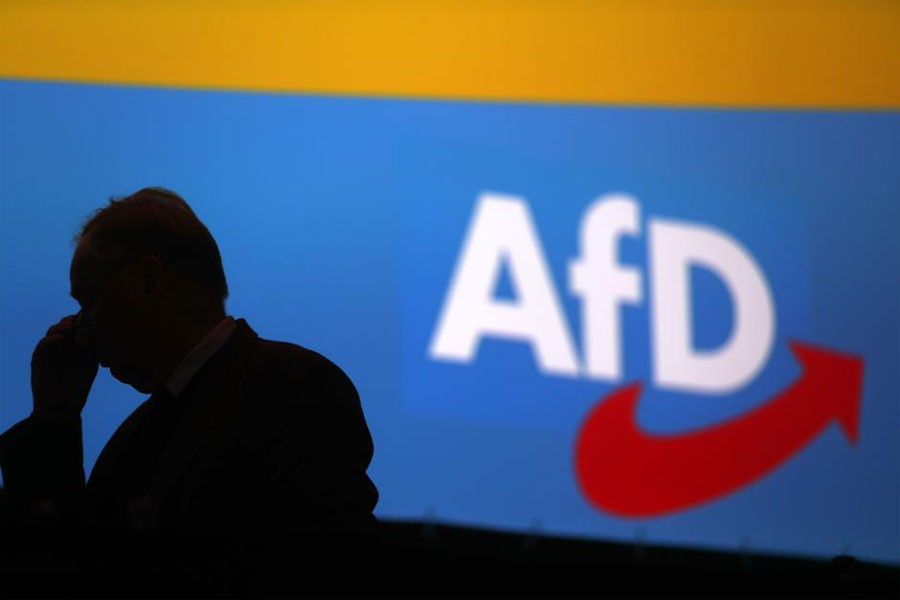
282, 363
286, 382
293, 358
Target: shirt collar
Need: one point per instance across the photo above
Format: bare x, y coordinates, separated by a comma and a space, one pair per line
199, 355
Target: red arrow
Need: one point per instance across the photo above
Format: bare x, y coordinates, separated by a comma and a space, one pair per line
628, 472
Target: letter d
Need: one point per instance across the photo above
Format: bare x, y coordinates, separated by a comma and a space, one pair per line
674, 247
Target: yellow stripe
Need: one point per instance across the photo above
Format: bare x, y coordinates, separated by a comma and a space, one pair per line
791, 53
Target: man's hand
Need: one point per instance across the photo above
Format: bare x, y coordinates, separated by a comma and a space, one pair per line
62, 373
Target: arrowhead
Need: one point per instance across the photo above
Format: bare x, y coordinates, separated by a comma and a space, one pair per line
835, 379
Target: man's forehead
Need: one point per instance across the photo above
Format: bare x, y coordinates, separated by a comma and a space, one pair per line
87, 266
85, 256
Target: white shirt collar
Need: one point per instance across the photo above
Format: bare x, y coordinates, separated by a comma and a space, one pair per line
199, 355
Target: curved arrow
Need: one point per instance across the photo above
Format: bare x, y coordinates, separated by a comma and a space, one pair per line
628, 472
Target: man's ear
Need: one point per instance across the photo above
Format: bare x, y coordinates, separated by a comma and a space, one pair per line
152, 278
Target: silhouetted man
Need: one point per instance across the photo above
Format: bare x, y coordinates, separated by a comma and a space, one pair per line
244, 446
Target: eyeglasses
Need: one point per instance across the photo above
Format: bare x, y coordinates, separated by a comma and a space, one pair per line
83, 332
88, 302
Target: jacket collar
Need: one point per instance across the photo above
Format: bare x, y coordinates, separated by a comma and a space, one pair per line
213, 393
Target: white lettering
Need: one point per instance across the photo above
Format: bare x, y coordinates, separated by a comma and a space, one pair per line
674, 247
602, 284
501, 231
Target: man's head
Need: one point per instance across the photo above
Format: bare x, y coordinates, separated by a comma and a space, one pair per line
149, 278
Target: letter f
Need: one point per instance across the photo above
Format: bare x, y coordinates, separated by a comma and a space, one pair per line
602, 283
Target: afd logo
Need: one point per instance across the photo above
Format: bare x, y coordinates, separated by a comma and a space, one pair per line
502, 230
621, 468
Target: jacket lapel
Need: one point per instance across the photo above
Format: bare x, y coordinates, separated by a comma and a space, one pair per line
104, 467
213, 393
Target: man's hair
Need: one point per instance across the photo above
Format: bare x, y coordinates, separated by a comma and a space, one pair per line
156, 221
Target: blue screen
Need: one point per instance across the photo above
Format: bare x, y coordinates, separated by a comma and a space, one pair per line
740, 229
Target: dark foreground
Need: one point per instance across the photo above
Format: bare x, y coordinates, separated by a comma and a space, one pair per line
415, 560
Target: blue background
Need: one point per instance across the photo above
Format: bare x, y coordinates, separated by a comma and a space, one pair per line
361, 206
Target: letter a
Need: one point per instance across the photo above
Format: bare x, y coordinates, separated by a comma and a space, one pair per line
502, 230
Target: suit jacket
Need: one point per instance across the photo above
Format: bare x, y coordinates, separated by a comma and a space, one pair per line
270, 447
